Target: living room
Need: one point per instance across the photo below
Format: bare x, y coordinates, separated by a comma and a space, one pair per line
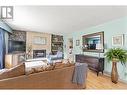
64, 35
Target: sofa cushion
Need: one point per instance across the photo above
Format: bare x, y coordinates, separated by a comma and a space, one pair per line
13, 72
29, 71
39, 69
46, 68
33, 64
50, 68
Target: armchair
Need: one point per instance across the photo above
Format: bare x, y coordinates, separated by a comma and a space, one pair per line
55, 58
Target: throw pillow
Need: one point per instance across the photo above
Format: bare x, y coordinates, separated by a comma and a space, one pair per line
50, 68
38, 69
29, 71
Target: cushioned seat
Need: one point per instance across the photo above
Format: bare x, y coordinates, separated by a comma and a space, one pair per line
58, 56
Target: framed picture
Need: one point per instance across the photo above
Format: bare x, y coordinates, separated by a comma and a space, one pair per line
118, 40
39, 40
77, 42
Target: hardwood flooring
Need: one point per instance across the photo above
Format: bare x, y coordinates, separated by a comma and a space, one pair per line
102, 82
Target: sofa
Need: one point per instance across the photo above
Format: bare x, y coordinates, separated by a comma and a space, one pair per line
59, 78
55, 58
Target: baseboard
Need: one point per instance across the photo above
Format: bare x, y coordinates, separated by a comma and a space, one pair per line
109, 75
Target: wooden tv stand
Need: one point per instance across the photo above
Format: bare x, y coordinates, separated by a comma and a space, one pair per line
94, 63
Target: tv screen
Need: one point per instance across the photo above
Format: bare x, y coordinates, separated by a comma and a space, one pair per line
15, 46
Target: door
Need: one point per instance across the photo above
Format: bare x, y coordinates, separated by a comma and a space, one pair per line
70, 49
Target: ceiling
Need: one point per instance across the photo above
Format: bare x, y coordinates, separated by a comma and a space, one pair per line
63, 19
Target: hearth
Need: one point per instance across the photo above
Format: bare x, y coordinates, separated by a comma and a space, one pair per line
39, 53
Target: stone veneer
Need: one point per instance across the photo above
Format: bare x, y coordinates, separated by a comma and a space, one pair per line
18, 36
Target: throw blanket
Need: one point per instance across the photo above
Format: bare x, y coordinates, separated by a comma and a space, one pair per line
80, 73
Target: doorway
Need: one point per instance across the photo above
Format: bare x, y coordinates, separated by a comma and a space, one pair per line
70, 49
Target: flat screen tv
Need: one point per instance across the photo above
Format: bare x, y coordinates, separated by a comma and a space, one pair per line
16, 46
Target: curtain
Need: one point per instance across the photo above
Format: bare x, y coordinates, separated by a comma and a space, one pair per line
2, 48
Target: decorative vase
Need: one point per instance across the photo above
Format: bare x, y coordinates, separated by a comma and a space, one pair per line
114, 73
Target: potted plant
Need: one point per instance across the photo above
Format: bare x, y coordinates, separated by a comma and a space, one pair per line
116, 55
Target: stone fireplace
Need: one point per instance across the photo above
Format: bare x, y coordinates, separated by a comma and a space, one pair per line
39, 53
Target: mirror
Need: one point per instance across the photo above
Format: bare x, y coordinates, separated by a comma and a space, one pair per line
93, 42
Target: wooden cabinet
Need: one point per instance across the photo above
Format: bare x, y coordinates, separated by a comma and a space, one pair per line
94, 63
12, 60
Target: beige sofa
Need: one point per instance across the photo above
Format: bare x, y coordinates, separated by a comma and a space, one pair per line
54, 79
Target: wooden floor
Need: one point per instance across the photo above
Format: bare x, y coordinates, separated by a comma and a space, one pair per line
102, 82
